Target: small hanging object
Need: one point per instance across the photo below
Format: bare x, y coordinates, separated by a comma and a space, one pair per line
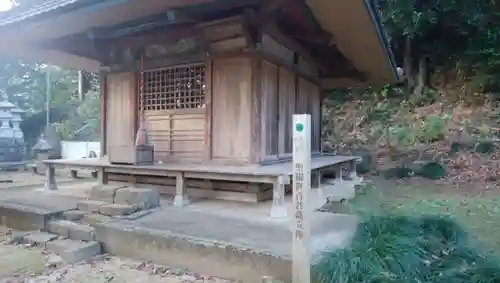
144, 152
141, 138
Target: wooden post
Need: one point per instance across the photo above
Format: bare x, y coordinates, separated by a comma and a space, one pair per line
353, 174
278, 208
181, 198
50, 181
301, 255
103, 176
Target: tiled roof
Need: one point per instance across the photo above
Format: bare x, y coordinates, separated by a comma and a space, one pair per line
20, 14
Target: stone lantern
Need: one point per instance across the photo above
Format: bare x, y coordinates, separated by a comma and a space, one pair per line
43, 150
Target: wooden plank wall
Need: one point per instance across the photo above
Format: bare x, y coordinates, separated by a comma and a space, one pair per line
270, 109
284, 93
309, 97
177, 134
120, 111
231, 109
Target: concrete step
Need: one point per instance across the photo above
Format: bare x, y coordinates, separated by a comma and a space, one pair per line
72, 230
115, 209
337, 190
92, 219
74, 215
105, 193
72, 251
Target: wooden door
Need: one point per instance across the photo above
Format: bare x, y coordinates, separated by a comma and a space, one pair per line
121, 115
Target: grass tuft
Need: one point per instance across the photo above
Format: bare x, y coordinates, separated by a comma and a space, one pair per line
394, 248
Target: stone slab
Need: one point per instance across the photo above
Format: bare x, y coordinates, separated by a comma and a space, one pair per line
25, 217
39, 238
57, 227
16, 237
93, 218
72, 230
91, 206
143, 198
116, 209
74, 215
104, 192
74, 251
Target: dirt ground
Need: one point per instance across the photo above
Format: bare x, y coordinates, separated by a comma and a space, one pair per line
23, 263
18, 179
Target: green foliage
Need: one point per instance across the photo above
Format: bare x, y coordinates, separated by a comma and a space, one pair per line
432, 170
407, 249
485, 146
398, 172
457, 146
25, 84
84, 123
433, 129
402, 135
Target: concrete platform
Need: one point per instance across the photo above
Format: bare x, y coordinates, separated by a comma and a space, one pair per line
219, 238
214, 243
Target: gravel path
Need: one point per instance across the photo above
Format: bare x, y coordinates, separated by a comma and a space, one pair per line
23, 263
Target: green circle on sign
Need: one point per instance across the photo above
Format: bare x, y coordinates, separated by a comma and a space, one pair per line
299, 127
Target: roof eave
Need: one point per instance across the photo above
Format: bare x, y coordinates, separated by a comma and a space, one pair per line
370, 5
71, 7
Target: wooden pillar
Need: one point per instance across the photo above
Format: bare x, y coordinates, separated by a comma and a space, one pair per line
256, 154
103, 176
278, 208
50, 178
181, 198
103, 102
317, 178
353, 174
208, 108
301, 250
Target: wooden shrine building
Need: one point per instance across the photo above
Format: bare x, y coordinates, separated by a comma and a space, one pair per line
215, 82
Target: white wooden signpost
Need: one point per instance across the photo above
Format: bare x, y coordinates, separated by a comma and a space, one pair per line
301, 254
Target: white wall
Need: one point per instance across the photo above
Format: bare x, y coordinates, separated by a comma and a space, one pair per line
77, 150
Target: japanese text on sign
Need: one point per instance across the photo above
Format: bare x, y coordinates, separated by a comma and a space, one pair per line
299, 199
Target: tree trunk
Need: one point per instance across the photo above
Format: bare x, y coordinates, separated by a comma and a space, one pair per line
422, 76
408, 65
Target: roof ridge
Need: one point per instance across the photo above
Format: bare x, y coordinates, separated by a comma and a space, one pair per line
19, 13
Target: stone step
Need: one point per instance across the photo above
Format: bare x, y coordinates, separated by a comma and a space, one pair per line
38, 238
115, 209
72, 230
74, 215
105, 192
72, 251
93, 219
91, 206
143, 198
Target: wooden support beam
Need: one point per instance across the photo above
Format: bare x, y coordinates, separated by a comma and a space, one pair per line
164, 20
155, 37
103, 176
323, 38
208, 108
251, 32
181, 198
50, 178
103, 102
269, 26
278, 208
272, 5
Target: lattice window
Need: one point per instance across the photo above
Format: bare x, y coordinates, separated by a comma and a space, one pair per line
180, 87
